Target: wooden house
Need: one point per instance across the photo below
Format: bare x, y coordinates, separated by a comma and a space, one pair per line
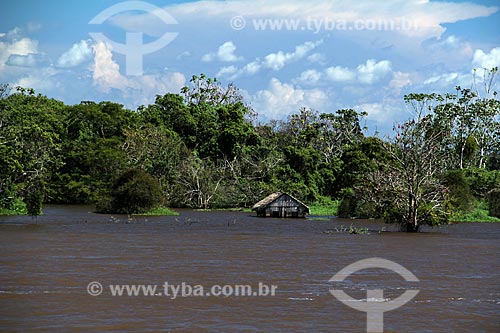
280, 204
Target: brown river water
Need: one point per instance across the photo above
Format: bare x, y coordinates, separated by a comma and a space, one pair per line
45, 270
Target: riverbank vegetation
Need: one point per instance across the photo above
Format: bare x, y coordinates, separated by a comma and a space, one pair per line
204, 148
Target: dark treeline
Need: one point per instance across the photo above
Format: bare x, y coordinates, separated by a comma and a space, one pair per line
204, 148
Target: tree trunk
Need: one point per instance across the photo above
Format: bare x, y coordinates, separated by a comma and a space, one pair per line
411, 227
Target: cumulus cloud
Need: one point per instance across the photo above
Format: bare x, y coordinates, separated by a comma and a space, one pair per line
367, 73
276, 61
340, 74
141, 89
373, 71
281, 99
29, 60
487, 60
76, 55
310, 76
447, 81
383, 113
225, 53
106, 72
319, 58
399, 81
16, 48
41, 79
441, 48
226, 71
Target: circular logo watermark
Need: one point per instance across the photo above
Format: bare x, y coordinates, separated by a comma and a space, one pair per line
375, 304
134, 49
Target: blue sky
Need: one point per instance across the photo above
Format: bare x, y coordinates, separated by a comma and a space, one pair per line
327, 55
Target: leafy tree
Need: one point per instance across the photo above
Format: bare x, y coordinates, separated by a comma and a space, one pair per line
135, 191
159, 152
471, 121
459, 193
30, 129
33, 198
494, 202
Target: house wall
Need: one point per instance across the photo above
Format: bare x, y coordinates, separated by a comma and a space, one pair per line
284, 206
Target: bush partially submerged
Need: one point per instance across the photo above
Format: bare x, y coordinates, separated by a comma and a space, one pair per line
494, 202
133, 192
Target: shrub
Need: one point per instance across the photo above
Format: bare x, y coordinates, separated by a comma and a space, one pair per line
134, 192
481, 181
33, 198
16, 207
494, 203
459, 195
357, 204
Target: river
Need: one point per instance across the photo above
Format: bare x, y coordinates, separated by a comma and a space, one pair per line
46, 269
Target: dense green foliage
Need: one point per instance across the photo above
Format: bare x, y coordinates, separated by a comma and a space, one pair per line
494, 203
204, 148
133, 192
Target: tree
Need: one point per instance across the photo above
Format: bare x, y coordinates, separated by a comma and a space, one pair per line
471, 121
135, 191
208, 90
30, 128
408, 189
200, 181
33, 198
158, 151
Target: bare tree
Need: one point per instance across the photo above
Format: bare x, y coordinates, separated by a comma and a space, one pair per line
200, 181
408, 185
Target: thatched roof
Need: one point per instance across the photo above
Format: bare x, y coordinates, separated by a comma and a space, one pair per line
267, 200
271, 198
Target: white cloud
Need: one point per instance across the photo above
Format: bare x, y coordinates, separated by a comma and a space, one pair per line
76, 55
487, 60
340, 74
441, 48
424, 18
225, 53
373, 71
446, 82
106, 72
226, 71
446, 78
17, 47
250, 68
281, 99
140, 89
276, 61
399, 81
367, 73
183, 55
384, 113
42, 80
310, 76
29, 60
318, 58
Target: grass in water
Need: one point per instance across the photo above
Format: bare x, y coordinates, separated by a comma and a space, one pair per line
324, 207
17, 207
245, 210
160, 211
479, 214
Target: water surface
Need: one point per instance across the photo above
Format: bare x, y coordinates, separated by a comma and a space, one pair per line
45, 269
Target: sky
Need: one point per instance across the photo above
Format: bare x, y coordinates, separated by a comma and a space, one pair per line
282, 55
